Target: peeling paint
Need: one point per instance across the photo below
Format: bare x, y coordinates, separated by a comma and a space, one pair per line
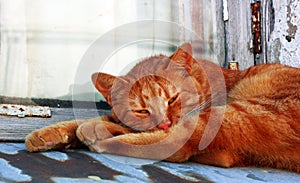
59, 156
24, 110
292, 29
284, 43
9, 173
275, 51
82, 166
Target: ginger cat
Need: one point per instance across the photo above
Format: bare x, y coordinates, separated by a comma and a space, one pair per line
171, 108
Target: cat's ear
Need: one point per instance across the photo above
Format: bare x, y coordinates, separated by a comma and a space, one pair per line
103, 83
183, 56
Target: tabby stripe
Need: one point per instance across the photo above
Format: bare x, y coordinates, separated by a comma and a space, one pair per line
239, 107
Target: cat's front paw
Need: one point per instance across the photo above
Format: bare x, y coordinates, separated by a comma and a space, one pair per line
59, 136
89, 133
94, 132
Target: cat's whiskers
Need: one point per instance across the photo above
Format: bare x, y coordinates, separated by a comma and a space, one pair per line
200, 107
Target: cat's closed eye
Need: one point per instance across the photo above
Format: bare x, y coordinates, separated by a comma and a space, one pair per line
141, 111
173, 99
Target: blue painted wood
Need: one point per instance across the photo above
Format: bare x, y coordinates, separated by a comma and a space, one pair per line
18, 165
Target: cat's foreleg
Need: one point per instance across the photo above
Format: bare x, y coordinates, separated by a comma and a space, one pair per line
89, 133
159, 145
57, 136
61, 135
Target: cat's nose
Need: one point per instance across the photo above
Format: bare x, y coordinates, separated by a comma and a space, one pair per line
165, 124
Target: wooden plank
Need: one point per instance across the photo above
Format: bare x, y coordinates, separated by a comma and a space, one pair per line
16, 129
207, 23
201, 24
219, 46
238, 33
17, 165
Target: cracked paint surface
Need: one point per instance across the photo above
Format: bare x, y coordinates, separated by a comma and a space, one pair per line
283, 46
18, 165
291, 17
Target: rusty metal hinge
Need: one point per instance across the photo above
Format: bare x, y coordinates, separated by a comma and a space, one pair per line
256, 28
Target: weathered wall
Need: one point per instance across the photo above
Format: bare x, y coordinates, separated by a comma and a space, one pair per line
284, 42
280, 32
43, 42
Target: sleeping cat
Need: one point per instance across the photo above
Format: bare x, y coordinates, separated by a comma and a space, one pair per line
178, 108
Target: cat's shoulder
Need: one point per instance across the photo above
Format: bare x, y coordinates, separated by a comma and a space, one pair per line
266, 80
269, 68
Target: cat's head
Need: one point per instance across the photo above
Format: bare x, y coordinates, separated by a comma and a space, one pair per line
155, 94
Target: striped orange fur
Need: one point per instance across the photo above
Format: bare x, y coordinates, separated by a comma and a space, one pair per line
179, 108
